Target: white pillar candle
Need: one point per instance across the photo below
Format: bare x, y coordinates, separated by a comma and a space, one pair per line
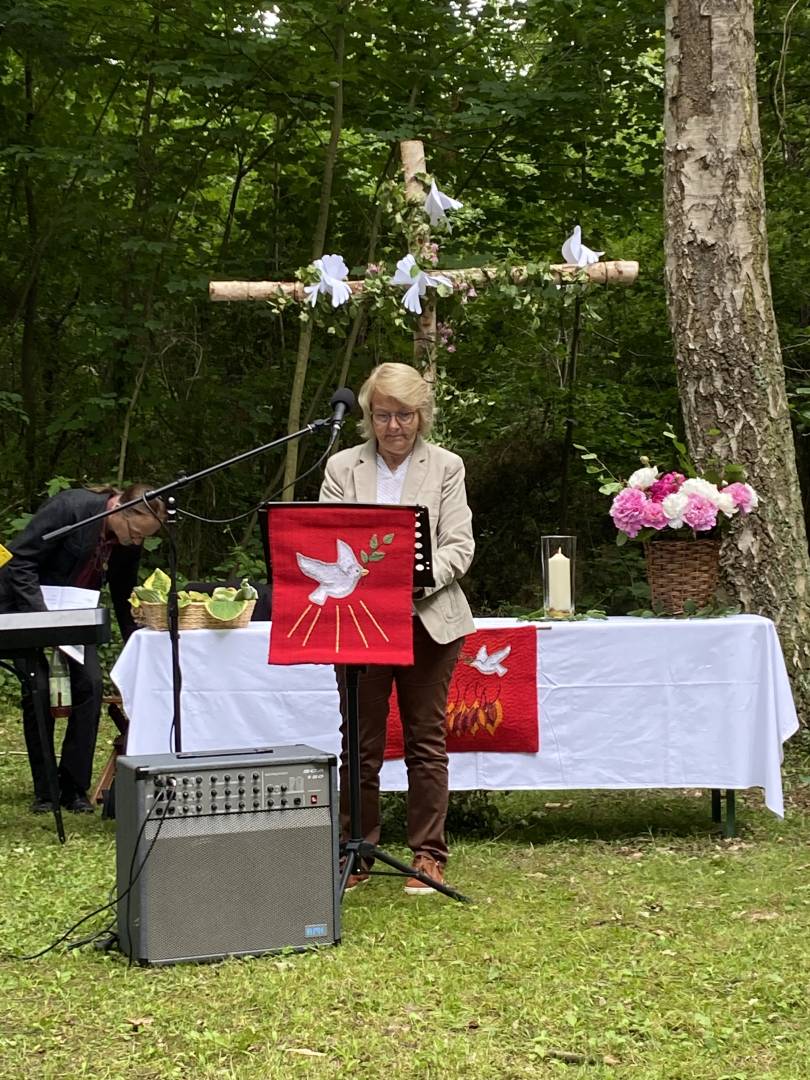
559, 582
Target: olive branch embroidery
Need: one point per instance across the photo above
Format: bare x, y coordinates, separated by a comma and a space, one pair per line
374, 544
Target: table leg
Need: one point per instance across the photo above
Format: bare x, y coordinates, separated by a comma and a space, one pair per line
730, 827
730, 824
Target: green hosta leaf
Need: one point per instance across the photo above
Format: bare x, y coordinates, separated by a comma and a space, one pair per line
225, 610
224, 592
246, 591
184, 599
160, 582
149, 596
194, 597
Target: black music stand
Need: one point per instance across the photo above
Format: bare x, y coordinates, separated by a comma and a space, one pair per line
357, 849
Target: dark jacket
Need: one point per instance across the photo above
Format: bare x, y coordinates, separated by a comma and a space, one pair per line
59, 561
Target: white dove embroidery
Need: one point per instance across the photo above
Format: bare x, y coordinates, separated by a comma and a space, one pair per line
490, 663
337, 579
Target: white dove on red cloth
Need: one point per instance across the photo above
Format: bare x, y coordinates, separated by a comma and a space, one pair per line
337, 579
576, 253
491, 663
333, 271
410, 274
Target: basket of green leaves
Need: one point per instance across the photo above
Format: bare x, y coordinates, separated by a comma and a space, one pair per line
226, 608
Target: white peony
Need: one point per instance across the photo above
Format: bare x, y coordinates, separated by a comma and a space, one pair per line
726, 505
674, 506
701, 487
643, 478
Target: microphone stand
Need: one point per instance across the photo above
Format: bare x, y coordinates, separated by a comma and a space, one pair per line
167, 491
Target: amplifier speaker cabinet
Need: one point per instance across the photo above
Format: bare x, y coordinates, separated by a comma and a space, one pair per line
226, 853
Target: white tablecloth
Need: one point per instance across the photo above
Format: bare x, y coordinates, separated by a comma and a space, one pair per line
623, 703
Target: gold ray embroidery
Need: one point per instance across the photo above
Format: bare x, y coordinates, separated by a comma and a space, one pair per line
303, 615
357, 625
312, 626
385, 636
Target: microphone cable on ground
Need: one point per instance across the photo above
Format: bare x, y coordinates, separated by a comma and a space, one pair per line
132, 878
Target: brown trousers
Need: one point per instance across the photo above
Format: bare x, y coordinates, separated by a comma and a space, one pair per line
422, 694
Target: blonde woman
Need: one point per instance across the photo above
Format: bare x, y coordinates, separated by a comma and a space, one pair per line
397, 465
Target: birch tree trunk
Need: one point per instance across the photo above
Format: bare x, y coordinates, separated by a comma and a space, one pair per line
318, 240
730, 370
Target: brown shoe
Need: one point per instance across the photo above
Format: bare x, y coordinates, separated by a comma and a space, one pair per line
428, 865
354, 879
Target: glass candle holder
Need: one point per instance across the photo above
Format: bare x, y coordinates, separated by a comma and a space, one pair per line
559, 563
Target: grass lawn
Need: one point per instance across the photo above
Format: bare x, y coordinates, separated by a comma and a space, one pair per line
612, 935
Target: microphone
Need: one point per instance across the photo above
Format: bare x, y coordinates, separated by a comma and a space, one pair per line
342, 402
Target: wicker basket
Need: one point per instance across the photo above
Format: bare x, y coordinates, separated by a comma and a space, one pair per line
681, 570
191, 617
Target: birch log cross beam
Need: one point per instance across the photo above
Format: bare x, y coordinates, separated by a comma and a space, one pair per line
414, 168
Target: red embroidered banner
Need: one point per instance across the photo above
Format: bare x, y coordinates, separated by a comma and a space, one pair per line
492, 702
342, 584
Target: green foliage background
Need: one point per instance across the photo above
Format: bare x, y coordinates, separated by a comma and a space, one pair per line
146, 148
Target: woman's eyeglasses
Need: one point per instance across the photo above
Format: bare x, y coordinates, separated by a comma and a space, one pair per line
383, 418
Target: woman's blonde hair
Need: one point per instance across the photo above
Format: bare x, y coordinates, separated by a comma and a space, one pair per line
400, 381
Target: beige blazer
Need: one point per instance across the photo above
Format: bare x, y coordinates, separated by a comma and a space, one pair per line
435, 479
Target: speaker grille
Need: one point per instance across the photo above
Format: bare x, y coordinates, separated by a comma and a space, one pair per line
249, 883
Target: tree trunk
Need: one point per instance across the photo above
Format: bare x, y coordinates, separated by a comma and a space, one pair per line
729, 363
319, 239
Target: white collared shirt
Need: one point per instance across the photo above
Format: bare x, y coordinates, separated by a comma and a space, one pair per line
390, 481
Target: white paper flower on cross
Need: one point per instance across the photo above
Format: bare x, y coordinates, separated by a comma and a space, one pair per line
576, 253
333, 272
437, 202
416, 281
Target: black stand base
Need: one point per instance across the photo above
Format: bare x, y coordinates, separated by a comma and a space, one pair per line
356, 853
356, 850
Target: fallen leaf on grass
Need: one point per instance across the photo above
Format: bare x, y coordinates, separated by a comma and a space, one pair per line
762, 916
138, 1022
303, 1051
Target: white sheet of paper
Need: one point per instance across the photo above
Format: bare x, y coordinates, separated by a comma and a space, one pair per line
64, 597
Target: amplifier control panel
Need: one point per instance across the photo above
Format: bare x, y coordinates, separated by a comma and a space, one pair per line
238, 790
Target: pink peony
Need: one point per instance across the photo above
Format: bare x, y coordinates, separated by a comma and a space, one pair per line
653, 516
628, 510
700, 513
744, 496
666, 485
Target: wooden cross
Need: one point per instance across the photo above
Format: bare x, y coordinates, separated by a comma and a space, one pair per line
424, 339
413, 163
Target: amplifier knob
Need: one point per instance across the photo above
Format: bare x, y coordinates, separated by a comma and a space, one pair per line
227, 790
270, 802
213, 807
283, 802
227, 778
241, 777
241, 806
256, 804
297, 801
227, 806
213, 779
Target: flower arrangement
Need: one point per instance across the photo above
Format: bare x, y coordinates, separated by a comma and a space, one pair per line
651, 503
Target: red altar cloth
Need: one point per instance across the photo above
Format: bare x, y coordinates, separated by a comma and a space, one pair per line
492, 702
